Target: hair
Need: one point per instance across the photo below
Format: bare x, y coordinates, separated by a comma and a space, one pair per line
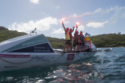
80, 31
67, 28
77, 32
71, 30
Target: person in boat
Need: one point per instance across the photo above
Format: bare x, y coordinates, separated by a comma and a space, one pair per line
76, 41
88, 42
71, 37
82, 39
67, 37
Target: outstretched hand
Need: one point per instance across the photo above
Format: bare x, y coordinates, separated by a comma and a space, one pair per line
62, 22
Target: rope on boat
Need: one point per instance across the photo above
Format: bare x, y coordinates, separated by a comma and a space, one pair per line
31, 60
17, 63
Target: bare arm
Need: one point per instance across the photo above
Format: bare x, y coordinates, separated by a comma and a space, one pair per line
63, 25
72, 36
73, 29
79, 40
76, 29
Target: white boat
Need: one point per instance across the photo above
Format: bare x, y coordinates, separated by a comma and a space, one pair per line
33, 51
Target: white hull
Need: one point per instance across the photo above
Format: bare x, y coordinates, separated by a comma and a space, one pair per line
18, 61
33, 51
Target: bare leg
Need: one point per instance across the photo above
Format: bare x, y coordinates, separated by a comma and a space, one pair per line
70, 48
83, 47
78, 48
74, 48
64, 48
67, 47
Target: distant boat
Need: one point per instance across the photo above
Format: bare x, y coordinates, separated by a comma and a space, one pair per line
34, 51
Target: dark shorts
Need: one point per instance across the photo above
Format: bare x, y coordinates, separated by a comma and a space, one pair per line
68, 42
83, 44
75, 43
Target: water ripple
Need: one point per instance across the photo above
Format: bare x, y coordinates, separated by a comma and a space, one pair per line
104, 67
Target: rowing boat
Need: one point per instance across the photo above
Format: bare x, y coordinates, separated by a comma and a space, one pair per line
35, 51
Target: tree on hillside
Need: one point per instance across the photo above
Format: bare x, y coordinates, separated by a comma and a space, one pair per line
3, 28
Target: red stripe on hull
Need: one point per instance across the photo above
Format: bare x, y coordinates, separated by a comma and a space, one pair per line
13, 56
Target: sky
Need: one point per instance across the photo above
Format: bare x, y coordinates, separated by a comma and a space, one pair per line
95, 16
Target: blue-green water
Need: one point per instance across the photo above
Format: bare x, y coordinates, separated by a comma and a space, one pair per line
103, 67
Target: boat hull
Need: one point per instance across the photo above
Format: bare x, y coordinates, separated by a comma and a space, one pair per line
15, 61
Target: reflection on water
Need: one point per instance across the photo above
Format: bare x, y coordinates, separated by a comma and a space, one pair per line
104, 67
68, 73
76, 73
31, 75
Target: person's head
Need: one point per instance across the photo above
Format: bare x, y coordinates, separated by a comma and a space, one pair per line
80, 32
67, 29
76, 32
71, 30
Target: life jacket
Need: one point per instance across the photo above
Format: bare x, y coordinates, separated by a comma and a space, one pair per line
88, 39
76, 37
67, 36
81, 37
88, 42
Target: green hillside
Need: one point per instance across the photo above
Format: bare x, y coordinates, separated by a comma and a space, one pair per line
109, 40
56, 43
104, 40
8, 34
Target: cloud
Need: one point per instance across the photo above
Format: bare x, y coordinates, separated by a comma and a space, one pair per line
96, 24
116, 8
58, 31
65, 21
34, 1
98, 10
117, 13
74, 15
81, 28
78, 16
123, 32
41, 25
57, 7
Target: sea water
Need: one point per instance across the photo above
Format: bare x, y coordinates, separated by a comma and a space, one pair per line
103, 67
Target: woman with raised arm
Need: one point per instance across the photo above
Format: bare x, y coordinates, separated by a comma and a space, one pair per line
81, 37
76, 39
67, 37
70, 34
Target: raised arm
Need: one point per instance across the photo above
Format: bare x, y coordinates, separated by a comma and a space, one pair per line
72, 36
73, 29
63, 25
77, 25
76, 28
